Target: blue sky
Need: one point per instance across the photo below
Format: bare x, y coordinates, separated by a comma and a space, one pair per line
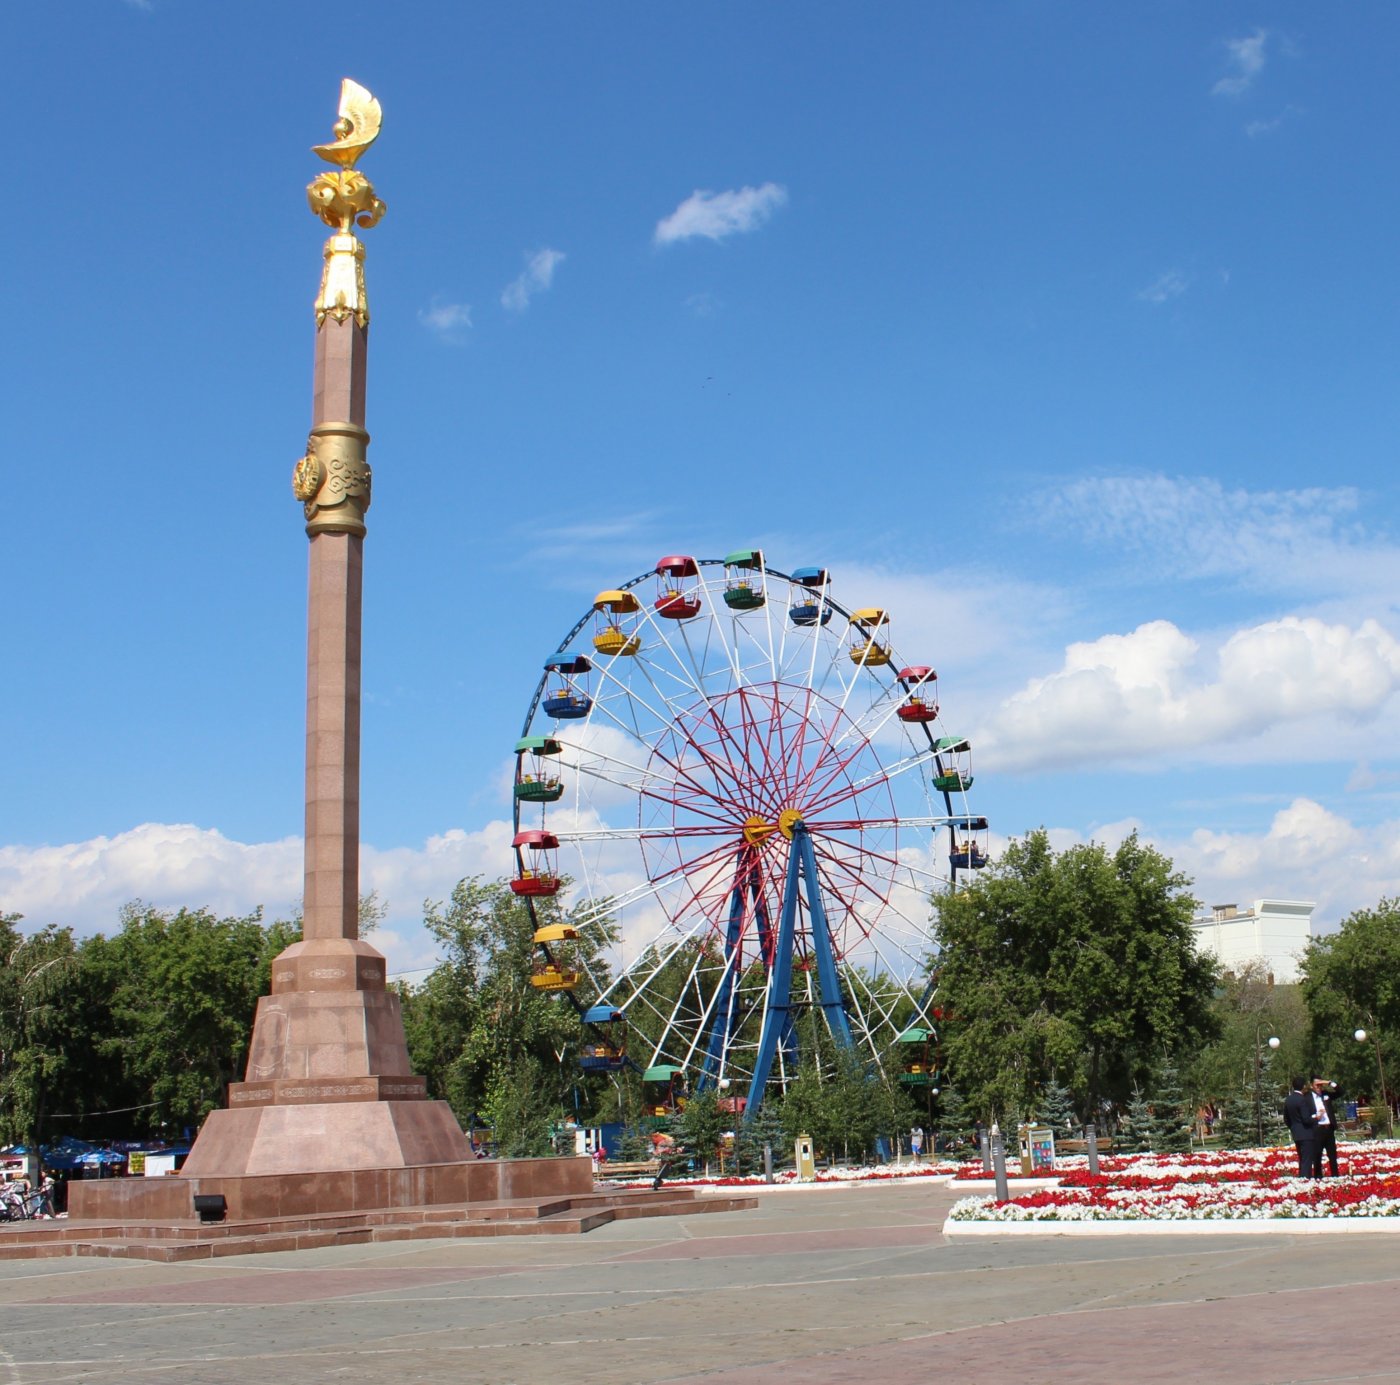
1068, 334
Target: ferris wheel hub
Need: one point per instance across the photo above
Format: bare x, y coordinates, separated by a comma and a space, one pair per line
757, 829
788, 820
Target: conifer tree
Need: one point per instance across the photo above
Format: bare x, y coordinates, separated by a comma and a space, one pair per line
1171, 1120
1056, 1108
1135, 1130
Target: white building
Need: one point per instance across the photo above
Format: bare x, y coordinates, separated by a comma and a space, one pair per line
1272, 931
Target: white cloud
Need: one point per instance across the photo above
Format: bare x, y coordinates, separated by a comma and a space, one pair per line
536, 277
447, 320
716, 215
85, 884
1171, 284
1307, 852
1299, 540
1152, 693
1246, 61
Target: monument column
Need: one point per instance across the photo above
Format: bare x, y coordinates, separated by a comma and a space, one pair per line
329, 1084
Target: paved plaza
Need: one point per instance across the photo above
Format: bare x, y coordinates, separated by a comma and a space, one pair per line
815, 1286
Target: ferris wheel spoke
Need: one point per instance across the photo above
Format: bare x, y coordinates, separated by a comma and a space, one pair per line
651, 888
825, 744
886, 705
874, 913
643, 834
707, 1015
883, 861
878, 938
886, 773
657, 625
660, 950
647, 782
716, 610
833, 766
663, 718
692, 980
859, 824
679, 734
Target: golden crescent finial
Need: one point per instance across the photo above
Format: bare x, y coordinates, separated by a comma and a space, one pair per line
357, 128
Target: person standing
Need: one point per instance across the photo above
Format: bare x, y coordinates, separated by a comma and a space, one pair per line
1300, 1112
1323, 1092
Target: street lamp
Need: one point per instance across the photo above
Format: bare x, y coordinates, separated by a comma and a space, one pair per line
1361, 1036
1258, 1080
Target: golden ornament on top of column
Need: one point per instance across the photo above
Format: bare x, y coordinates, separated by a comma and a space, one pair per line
345, 199
332, 480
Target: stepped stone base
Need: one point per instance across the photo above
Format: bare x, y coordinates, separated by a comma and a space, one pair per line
314, 1137
330, 1190
176, 1239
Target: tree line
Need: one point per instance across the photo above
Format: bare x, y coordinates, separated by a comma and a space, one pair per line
1071, 980
1066, 985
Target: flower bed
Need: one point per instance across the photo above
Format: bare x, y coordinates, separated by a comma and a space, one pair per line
1229, 1185
840, 1173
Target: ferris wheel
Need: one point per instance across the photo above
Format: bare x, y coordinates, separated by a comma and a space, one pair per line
750, 801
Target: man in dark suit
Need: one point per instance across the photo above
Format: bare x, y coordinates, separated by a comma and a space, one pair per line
1300, 1111
1324, 1093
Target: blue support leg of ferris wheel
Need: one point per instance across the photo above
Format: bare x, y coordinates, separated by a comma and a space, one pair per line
776, 1015
828, 980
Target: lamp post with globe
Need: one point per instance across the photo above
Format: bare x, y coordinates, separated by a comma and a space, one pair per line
1361, 1035
1259, 1079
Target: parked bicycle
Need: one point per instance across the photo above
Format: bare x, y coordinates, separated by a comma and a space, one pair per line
19, 1203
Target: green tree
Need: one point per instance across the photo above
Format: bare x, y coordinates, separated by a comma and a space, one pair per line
476, 1025
1135, 1128
951, 1122
701, 1126
1055, 1108
762, 1127
1172, 1116
36, 975
1248, 1010
1081, 962
184, 987
1351, 981
520, 1122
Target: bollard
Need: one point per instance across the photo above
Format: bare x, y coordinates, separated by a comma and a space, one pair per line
999, 1165
767, 1162
984, 1145
1091, 1146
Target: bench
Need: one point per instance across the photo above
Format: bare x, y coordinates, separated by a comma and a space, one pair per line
629, 1168
1104, 1144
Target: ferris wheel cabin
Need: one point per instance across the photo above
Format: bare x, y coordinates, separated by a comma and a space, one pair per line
536, 865
809, 606
675, 600
535, 780
609, 1054
954, 764
867, 624
612, 632
970, 843
922, 702
663, 1090
916, 1058
567, 698
551, 974
743, 580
